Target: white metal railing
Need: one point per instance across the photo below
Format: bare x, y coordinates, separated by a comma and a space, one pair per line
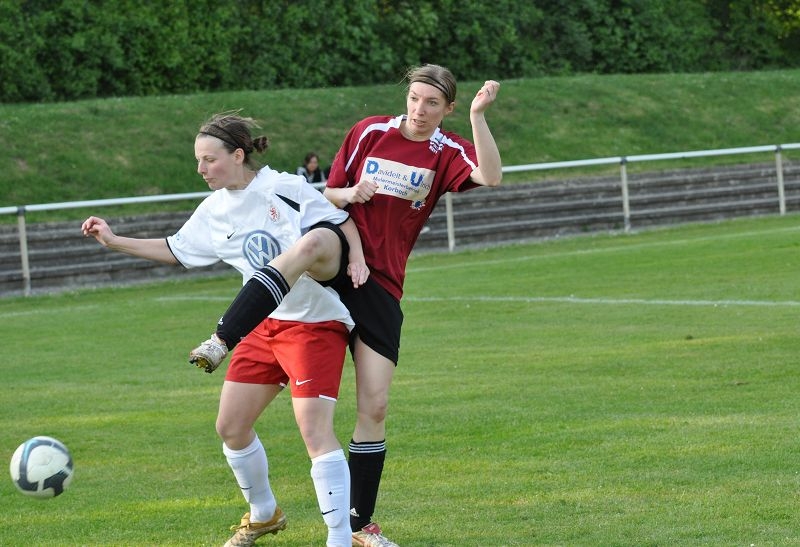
622, 161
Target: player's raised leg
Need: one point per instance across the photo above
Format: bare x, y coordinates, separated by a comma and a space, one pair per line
323, 253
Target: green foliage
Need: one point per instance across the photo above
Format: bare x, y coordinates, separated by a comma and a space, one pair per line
55, 50
20, 77
747, 32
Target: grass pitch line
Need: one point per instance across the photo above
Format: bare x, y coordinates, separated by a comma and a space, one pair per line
43, 311
605, 301
477, 262
194, 298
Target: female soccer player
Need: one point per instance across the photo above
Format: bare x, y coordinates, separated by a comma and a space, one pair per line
388, 174
252, 216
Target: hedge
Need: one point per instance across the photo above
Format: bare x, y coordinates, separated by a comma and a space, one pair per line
60, 50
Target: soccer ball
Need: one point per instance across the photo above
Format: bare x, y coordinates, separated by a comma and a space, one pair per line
41, 467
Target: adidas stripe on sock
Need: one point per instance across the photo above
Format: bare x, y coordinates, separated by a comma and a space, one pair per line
256, 300
366, 467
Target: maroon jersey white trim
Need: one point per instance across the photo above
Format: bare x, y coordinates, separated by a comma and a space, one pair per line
411, 177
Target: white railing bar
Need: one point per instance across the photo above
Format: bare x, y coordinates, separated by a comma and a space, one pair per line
508, 169
703, 153
111, 201
650, 157
562, 164
114, 201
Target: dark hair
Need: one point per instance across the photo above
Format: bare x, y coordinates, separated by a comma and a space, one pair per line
309, 157
435, 75
234, 132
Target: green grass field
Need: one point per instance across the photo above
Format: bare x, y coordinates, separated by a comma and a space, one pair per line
634, 389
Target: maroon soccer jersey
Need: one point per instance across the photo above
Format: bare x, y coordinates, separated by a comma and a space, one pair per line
411, 176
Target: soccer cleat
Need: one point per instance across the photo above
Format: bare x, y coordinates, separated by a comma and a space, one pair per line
248, 532
209, 354
371, 536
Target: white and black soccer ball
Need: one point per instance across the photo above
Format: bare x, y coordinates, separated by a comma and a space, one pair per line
41, 467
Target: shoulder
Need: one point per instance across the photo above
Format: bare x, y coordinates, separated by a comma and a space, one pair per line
449, 137
268, 179
457, 145
378, 123
211, 202
373, 127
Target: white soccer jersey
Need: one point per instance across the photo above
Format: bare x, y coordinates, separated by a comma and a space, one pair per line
248, 228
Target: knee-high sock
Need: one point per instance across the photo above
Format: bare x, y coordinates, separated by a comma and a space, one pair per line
251, 469
366, 467
256, 300
332, 483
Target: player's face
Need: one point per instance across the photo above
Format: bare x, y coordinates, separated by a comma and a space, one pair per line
427, 107
218, 167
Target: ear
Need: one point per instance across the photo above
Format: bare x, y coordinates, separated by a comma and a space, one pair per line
450, 108
238, 156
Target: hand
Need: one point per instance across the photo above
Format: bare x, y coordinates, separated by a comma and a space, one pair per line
358, 272
485, 96
363, 192
99, 229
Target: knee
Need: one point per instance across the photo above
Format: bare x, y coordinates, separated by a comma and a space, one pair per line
234, 435
313, 245
318, 436
374, 409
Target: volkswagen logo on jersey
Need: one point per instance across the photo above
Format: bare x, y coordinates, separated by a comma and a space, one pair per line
259, 248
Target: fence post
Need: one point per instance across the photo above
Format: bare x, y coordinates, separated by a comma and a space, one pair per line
779, 170
451, 229
23, 251
626, 207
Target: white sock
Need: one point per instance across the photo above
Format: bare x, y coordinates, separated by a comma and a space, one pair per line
251, 470
332, 483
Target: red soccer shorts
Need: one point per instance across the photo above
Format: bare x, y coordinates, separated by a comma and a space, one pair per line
307, 356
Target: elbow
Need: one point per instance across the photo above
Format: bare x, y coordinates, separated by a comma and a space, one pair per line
488, 177
495, 181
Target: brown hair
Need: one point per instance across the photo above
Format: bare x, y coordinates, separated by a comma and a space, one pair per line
234, 132
435, 75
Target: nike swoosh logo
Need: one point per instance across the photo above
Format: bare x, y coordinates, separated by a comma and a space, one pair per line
230, 235
299, 383
327, 512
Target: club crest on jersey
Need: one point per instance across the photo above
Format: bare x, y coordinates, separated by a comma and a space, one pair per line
435, 144
418, 204
274, 214
259, 248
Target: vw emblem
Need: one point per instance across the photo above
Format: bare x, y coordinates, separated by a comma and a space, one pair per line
259, 248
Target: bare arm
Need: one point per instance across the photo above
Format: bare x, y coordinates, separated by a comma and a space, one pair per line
490, 169
342, 197
156, 250
357, 267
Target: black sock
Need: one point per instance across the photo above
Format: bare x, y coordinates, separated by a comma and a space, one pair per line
258, 298
366, 467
